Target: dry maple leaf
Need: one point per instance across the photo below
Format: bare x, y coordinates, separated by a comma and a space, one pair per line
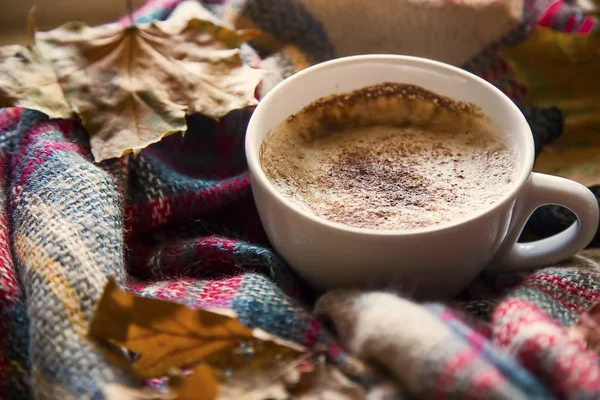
115, 391
302, 379
203, 384
26, 80
324, 381
132, 86
169, 337
561, 70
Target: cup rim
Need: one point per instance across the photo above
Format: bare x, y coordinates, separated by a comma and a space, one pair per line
257, 173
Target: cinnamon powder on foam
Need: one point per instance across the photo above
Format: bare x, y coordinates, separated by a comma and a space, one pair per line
389, 156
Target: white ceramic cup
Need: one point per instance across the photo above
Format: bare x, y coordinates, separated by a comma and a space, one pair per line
431, 262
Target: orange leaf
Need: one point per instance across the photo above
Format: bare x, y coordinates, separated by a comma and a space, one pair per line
325, 381
560, 70
132, 86
28, 81
115, 391
230, 361
168, 336
202, 384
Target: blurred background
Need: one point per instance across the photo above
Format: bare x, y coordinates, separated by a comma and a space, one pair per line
52, 13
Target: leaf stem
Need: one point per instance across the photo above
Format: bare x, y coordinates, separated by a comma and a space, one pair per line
129, 6
31, 23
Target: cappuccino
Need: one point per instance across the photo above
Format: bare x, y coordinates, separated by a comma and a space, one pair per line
389, 157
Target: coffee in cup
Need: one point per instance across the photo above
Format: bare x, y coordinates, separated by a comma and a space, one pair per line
429, 258
389, 156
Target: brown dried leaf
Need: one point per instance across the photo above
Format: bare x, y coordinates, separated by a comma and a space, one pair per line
169, 337
560, 69
27, 81
245, 383
269, 381
133, 86
325, 381
302, 379
115, 391
201, 385
229, 360
587, 328
273, 391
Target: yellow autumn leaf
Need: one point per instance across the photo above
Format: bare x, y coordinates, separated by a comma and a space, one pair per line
306, 379
168, 337
202, 384
208, 354
115, 391
561, 70
325, 381
132, 86
28, 81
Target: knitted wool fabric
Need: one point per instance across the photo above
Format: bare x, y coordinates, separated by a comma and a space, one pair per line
178, 222
64, 251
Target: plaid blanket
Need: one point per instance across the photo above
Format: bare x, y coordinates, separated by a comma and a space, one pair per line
178, 223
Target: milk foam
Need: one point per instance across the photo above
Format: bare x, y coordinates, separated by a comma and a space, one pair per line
399, 158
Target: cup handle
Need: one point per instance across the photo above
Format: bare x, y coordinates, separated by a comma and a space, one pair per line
542, 189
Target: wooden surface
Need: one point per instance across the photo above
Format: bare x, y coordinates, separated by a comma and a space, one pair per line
52, 13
